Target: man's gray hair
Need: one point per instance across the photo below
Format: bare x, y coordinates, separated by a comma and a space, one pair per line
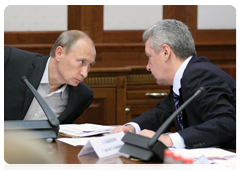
173, 33
68, 40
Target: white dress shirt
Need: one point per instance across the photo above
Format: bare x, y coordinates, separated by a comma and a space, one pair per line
177, 140
56, 100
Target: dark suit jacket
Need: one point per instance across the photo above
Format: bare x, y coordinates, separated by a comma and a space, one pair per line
210, 120
17, 96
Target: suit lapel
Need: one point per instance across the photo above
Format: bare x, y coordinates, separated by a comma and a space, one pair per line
72, 100
34, 76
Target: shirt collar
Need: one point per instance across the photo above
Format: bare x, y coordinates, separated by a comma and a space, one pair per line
45, 74
45, 80
178, 76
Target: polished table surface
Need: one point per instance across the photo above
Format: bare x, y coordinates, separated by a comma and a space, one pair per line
68, 154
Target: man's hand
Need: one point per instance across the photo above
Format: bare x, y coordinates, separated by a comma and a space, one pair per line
127, 128
165, 139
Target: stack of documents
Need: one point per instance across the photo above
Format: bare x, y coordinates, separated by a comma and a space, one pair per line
82, 130
213, 155
208, 152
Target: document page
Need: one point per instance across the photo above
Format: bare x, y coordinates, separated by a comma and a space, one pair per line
75, 141
214, 155
82, 130
208, 152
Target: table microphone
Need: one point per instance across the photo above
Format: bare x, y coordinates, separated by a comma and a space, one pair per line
145, 148
47, 110
47, 129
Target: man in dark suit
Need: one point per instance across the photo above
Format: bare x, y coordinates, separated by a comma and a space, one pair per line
208, 121
58, 78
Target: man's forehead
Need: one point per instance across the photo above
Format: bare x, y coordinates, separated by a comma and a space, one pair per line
90, 59
147, 46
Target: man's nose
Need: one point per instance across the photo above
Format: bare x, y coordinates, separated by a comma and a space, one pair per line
148, 68
84, 72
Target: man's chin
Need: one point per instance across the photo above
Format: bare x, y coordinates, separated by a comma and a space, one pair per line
75, 83
160, 83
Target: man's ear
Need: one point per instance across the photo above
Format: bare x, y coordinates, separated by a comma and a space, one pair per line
166, 50
59, 53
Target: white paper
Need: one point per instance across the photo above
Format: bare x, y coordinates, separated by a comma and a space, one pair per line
82, 130
75, 141
86, 149
208, 152
103, 146
213, 155
202, 163
225, 163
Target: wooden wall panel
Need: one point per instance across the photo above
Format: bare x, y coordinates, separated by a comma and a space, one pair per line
31, 37
74, 22
120, 55
122, 48
87, 18
123, 36
185, 13
35, 41
215, 37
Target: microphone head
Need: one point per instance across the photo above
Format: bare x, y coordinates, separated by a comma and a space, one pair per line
24, 78
202, 90
54, 122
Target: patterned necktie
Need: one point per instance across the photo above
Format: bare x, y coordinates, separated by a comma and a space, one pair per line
180, 115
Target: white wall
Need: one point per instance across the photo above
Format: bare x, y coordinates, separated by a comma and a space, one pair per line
131, 17
216, 17
124, 17
35, 18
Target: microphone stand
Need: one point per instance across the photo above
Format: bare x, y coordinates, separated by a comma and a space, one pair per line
147, 149
35, 129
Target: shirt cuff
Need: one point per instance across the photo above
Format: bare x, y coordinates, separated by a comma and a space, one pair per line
135, 125
177, 140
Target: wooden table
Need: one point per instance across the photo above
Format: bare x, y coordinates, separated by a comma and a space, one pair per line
68, 154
